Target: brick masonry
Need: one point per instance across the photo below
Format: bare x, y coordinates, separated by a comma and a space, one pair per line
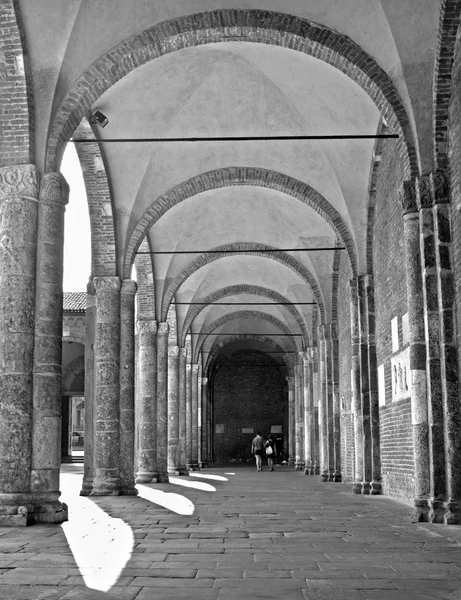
254, 397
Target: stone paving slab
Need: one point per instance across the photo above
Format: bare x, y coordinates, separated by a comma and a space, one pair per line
285, 537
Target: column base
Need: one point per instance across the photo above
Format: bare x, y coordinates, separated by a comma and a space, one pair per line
87, 487
357, 487
194, 467
20, 510
376, 488
174, 472
128, 491
452, 513
324, 477
422, 509
436, 511
163, 478
184, 471
146, 477
106, 485
316, 470
366, 488
337, 477
204, 465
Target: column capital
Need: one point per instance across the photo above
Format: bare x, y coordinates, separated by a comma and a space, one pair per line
173, 351
106, 284
195, 368
146, 326
188, 367
440, 187
407, 197
204, 381
19, 180
163, 329
129, 286
291, 382
54, 189
183, 352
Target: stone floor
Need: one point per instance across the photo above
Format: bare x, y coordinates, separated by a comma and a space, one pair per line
228, 533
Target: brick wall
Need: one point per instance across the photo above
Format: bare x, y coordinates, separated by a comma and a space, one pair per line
391, 301
345, 364
253, 396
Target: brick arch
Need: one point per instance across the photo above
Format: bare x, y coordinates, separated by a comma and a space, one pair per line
100, 204
233, 290
450, 18
248, 249
253, 26
289, 361
242, 314
235, 176
18, 125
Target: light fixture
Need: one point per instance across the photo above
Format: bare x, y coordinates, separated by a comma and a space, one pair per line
98, 117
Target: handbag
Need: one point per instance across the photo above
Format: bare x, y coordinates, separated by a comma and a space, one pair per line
269, 450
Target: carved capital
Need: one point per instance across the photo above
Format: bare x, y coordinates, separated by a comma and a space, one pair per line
424, 198
195, 368
407, 197
19, 180
173, 351
439, 187
147, 326
106, 284
183, 352
129, 286
54, 189
163, 329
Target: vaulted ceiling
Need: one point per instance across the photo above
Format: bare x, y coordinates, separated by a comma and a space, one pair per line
253, 212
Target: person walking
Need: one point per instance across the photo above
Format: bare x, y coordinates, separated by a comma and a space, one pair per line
269, 446
257, 446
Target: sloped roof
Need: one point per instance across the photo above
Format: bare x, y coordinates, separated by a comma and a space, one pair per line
74, 301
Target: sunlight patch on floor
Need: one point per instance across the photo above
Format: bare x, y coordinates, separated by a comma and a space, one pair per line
101, 545
203, 476
174, 502
198, 485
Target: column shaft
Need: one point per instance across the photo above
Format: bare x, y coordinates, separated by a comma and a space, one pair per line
329, 407
182, 411
356, 391
90, 391
162, 402
189, 461
146, 401
173, 410
194, 415
106, 480
323, 414
307, 417
364, 386
127, 424
298, 416
204, 435
46, 430
336, 407
291, 420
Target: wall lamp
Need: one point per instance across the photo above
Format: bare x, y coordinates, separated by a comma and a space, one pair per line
97, 117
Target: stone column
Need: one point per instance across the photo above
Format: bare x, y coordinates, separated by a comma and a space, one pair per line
173, 410
448, 348
336, 406
364, 385
90, 390
298, 415
329, 405
182, 411
189, 462
356, 388
146, 401
322, 410
376, 487
204, 435
127, 425
162, 402
307, 382
415, 303
291, 420
194, 415
316, 396
106, 480
46, 424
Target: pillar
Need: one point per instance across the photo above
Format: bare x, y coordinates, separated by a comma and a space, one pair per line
173, 410
106, 481
204, 419
298, 409
90, 390
189, 461
418, 392
194, 416
336, 407
127, 367
356, 408
162, 402
308, 412
291, 420
46, 421
182, 411
322, 411
316, 397
146, 401
364, 385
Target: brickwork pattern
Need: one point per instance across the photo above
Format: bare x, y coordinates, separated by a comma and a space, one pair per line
247, 397
255, 290
235, 176
243, 248
390, 301
254, 26
145, 298
17, 115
